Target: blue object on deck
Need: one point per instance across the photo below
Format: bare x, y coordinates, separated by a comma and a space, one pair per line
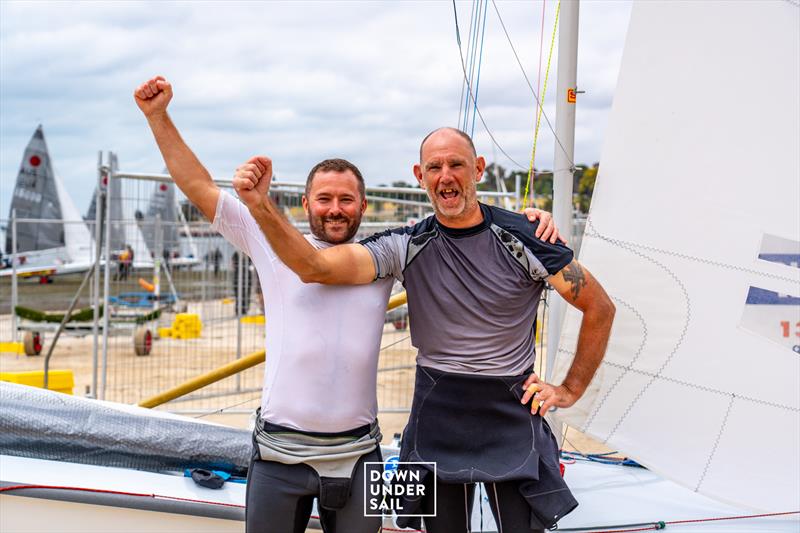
141, 299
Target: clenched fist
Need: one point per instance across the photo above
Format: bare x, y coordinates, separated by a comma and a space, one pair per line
153, 96
252, 180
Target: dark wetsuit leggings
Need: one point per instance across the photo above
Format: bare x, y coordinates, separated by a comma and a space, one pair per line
279, 500
454, 508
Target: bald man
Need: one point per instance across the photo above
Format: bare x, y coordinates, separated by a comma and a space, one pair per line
473, 276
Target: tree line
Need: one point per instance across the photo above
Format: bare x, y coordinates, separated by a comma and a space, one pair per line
542, 184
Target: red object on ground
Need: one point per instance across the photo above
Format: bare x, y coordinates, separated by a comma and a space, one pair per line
562, 468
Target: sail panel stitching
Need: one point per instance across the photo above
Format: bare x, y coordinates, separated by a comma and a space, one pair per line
592, 232
678, 344
703, 388
627, 368
716, 442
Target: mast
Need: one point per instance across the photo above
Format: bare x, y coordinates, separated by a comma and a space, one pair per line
566, 89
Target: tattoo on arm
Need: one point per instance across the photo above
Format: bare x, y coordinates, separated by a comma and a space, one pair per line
573, 273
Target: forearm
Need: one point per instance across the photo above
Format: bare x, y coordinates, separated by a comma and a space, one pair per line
185, 168
288, 243
592, 343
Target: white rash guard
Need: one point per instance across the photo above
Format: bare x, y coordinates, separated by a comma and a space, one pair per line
322, 341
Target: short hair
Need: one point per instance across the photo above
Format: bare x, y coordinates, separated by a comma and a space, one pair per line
336, 165
454, 130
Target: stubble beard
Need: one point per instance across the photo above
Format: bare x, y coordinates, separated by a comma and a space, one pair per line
317, 226
468, 202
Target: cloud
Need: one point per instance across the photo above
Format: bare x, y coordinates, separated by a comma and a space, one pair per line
298, 81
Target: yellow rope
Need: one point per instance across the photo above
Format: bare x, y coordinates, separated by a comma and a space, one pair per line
541, 107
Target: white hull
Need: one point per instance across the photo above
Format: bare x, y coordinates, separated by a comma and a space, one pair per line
610, 497
37, 514
115, 499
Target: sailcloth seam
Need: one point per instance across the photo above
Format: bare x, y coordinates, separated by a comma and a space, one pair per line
716, 443
703, 388
627, 368
678, 344
592, 232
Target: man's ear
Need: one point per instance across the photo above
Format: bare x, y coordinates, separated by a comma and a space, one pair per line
418, 175
480, 166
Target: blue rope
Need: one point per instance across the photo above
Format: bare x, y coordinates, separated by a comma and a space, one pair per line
602, 458
473, 25
480, 61
460, 54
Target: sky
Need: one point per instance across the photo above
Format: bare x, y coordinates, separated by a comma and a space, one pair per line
297, 81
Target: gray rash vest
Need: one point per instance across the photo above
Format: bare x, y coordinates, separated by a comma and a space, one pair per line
472, 293
322, 341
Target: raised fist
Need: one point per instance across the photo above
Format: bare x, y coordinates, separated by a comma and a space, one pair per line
252, 180
153, 96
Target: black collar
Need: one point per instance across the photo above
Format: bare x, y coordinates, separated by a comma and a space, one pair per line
472, 230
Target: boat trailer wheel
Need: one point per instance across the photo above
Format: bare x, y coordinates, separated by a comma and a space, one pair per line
142, 341
32, 342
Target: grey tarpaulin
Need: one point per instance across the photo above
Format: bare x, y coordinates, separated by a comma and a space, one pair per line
47, 425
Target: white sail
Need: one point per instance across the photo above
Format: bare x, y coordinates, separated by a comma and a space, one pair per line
162, 203
35, 196
40, 194
698, 181
123, 222
77, 239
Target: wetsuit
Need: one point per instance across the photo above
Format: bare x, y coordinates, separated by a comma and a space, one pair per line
473, 294
322, 345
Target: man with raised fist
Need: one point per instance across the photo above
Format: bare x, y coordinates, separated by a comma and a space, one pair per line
318, 415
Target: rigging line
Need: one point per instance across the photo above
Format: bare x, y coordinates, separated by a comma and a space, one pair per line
535, 96
216, 411
461, 52
541, 50
572, 444
480, 61
540, 327
480, 115
458, 40
541, 108
474, 58
539, 74
395, 342
470, 59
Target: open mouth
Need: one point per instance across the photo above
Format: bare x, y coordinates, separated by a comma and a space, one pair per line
448, 194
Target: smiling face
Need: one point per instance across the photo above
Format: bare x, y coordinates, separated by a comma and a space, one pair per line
334, 206
448, 171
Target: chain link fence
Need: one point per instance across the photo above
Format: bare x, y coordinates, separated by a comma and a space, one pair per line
174, 299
